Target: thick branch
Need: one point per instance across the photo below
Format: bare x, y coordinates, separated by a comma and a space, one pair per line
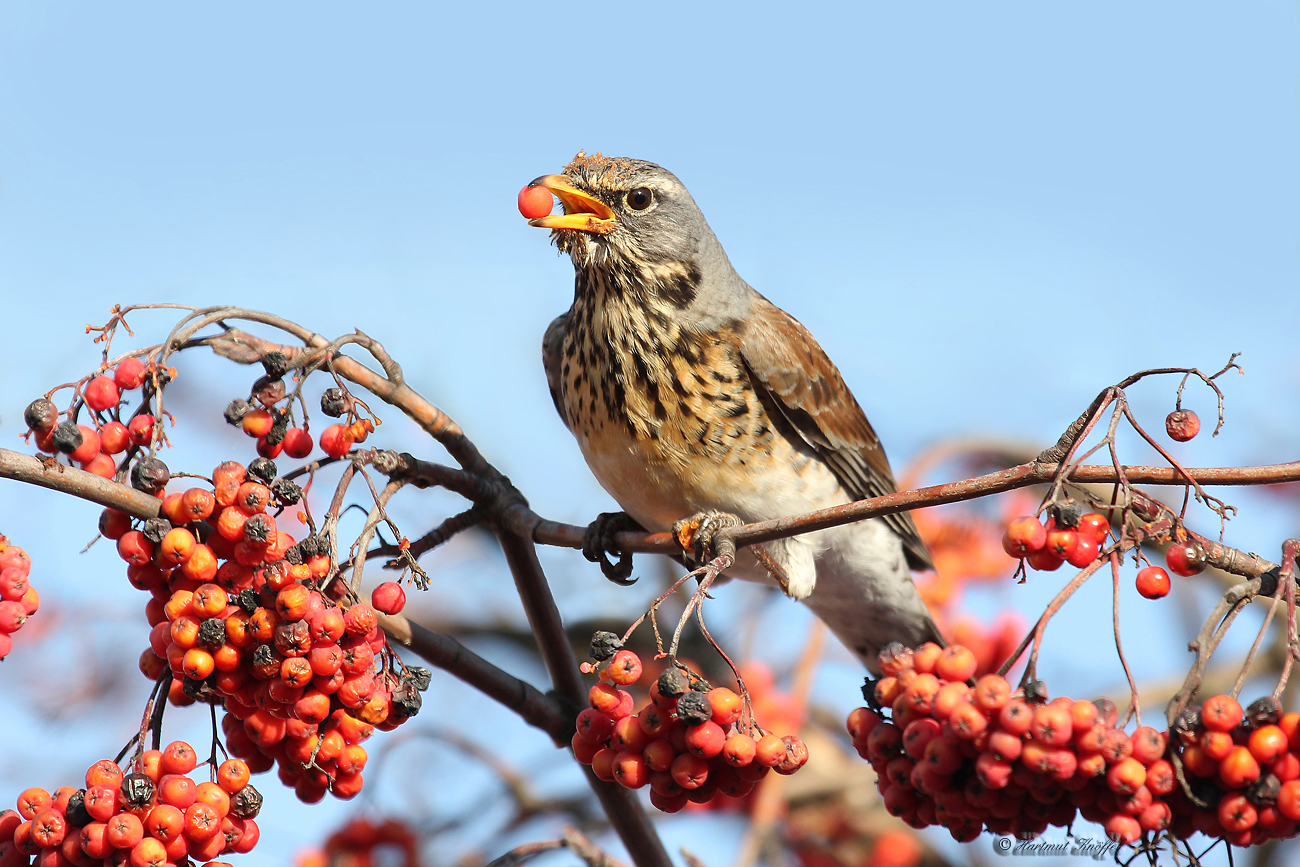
78, 483
1021, 476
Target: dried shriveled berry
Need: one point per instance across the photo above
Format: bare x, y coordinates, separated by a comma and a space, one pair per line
235, 411
150, 475
212, 633
286, 492
334, 402
276, 363
41, 415
155, 529
672, 683
1066, 515
262, 470
406, 700
604, 645
67, 438
246, 803
1182, 425
693, 708
269, 390
137, 790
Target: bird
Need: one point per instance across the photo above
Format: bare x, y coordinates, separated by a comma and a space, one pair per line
689, 393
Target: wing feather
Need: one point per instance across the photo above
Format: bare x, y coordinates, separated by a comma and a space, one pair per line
794, 374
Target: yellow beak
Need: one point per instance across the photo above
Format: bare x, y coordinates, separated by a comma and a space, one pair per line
582, 211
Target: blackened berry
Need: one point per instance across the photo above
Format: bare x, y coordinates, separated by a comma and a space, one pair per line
150, 475
236, 410
212, 633
246, 803
286, 491
419, 677
77, 815
693, 708
604, 645
334, 402
276, 363
41, 415
672, 683
137, 790
67, 438
262, 469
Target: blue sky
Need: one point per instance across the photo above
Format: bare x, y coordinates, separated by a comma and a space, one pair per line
985, 212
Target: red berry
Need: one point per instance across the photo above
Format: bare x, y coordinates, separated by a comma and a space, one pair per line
625, 668
335, 441
129, 373
89, 447
141, 429
258, 423
1185, 558
1182, 425
1094, 524
1153, 582
297, 443
535, 202
114, 438
1024, 536
388, 597
1043, 560
1062, 543
101, 394
1085, 551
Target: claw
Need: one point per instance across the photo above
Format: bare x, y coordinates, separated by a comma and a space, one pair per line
599, 539
696, 533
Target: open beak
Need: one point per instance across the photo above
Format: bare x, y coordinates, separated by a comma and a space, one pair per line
582, 212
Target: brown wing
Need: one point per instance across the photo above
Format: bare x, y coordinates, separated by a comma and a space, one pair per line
553, 359
792, 373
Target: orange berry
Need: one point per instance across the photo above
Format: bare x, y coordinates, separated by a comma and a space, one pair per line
1239, 769
770, 751
1267, 743
1221, 713
624, 669
956, 663
727, 706
258, 423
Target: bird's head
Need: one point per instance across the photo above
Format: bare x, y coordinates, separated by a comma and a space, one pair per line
630, 216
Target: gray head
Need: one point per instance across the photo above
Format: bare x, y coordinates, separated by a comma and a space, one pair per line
636, 222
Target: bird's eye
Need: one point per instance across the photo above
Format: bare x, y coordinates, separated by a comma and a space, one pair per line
640, 199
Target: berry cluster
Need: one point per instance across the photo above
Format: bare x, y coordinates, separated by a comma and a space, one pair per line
262, 419
1243, 769
1067, 537
18, 598
971, 758
245, 617
1077, 540
688, 742
151, 816
94, 448
365, 841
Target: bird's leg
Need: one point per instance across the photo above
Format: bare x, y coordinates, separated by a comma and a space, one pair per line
599, 539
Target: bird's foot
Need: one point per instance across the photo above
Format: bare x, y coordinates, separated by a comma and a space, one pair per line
598, 543
698, 535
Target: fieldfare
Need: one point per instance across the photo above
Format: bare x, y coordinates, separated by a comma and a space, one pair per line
690, 392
